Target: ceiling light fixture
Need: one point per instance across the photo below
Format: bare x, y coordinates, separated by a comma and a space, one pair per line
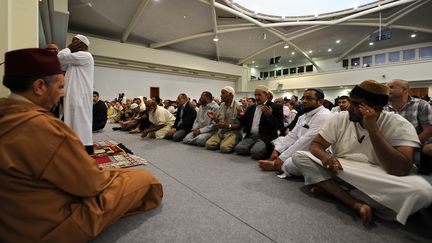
413, 35
337, 41
289, 60
310, 52
264, 36
286, 45
216, 39
329, 50
253, 61
371, 43
292, 53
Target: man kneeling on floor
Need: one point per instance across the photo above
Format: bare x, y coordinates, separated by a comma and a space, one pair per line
372, 155
51, 190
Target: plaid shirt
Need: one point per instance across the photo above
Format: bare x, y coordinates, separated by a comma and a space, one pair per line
417, 111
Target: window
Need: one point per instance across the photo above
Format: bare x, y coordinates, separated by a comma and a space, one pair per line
285, 71
271, 73
265, 74
355, 61
409, 54
345, 63
380, 58
278, 73
367, 61
300, 69
425, 52
394, 56
293, 70
309, 68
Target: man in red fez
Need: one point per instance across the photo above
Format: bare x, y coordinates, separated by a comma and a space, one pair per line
78, 102
51, 190
369, 168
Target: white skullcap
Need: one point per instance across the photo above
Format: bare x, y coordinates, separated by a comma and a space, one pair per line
262, 88
229, 89
83, 39
134, 106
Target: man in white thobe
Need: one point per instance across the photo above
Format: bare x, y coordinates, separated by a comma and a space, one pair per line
300, 137
372, 154
79, 66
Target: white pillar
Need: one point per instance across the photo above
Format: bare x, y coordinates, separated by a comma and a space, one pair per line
18, 29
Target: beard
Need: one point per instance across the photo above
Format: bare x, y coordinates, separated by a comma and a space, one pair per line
310, 108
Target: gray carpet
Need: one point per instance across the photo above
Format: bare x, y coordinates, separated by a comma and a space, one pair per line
214, 197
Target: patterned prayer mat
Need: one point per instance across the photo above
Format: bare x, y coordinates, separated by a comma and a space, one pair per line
110, 154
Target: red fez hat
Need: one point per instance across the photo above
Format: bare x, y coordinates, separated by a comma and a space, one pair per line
31, 62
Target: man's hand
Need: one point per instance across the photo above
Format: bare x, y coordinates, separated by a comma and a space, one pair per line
75, 46
221, 125
196, 132
211, 114
240, 111
172, 131
369, 117
332, 164
266, 110
145, 133
274, 155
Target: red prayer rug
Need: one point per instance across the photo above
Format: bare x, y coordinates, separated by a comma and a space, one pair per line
109, 154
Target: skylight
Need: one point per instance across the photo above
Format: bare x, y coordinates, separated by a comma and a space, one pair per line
300, 8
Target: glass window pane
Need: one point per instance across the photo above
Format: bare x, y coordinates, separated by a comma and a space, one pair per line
367, 61
425, 52
380, 58
394, 56
355, 61
409, 54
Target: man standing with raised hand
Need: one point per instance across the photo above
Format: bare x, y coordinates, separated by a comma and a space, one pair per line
79, 66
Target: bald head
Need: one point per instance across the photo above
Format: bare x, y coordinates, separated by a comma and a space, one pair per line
399, 89
150, 105
52, 47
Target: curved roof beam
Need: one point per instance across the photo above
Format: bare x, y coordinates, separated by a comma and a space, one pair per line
330, 22
200, 35
134, 19
403, 12
215, 30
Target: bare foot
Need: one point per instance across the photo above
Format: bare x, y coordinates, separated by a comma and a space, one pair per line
134, 131
266, 165
318, 191
365, 212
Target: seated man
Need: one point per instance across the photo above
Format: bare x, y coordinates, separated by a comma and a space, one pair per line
100, 115
185, 118
229, 127
203, 127
342, 105
372, 152
300, 137
261, 123
419, 113
161, 121
51, 190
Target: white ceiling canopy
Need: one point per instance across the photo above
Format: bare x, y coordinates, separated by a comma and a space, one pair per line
286, 10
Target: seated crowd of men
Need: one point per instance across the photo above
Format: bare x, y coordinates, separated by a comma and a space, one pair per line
360, 129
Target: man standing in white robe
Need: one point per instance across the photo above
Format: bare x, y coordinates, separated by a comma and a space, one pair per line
372, 152
79, 66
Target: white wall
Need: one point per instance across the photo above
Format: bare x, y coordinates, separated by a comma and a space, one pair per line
111, 81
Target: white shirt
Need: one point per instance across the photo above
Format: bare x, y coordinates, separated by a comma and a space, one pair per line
256, 120
348, 138
78, 105
161, 116
303, 133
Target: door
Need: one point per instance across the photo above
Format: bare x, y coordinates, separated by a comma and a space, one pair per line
154, 92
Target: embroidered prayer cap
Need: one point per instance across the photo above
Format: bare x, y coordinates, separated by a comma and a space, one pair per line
372, 91
229, 89
262, 88
31, 62
134, 106
83, 39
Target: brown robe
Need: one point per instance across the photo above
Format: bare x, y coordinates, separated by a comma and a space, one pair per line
51, 190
